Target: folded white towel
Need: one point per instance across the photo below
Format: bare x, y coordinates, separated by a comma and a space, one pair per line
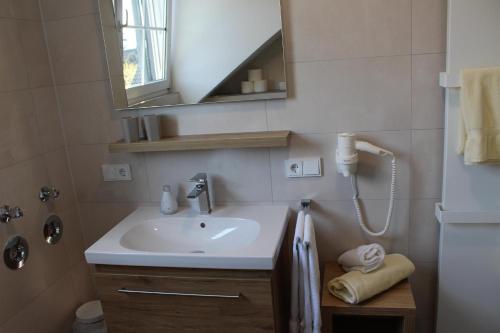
365, 258
312, 312
297, 303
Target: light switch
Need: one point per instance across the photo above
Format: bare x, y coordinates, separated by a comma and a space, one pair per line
311, 167
116, 172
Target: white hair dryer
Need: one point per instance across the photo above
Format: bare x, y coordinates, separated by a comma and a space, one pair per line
347, 165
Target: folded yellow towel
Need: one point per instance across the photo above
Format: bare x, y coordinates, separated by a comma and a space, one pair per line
355, 287
479, 120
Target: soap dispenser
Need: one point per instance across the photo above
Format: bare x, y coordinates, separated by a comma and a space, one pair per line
168, 202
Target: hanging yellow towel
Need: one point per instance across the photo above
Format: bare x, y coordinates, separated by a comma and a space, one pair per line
355, 287
479, 121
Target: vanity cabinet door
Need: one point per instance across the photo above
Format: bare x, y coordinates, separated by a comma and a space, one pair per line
150, 304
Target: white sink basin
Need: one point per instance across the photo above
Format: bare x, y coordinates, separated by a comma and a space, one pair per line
234, 237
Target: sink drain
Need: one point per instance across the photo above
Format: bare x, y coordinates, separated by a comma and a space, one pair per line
198, 251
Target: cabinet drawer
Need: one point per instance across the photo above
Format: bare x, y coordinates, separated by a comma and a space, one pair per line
141, 303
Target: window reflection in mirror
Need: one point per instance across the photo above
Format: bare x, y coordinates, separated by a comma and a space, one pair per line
170, 52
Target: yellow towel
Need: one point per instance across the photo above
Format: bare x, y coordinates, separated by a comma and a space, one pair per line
479, 121
355, 287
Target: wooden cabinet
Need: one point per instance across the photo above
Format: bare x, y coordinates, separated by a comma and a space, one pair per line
150, 300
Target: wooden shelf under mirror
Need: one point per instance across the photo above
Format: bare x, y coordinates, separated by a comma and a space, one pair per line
268, 139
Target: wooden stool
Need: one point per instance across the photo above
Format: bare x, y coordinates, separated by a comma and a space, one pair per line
394, 308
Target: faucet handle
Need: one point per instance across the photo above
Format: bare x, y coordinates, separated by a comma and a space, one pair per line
8, 213
199, 178
48, 192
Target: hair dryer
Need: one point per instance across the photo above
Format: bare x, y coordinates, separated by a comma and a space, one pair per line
347, 165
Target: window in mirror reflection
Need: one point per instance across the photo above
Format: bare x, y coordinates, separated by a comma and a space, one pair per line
145, 41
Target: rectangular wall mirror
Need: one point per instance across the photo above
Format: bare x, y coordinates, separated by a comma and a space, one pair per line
173, 52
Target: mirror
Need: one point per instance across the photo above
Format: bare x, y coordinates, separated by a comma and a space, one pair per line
172, 52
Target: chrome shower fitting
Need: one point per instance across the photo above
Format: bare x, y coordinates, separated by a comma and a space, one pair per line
15, 252
48, 192
8, 213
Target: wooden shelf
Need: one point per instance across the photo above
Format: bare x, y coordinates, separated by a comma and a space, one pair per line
205, 142
248, 97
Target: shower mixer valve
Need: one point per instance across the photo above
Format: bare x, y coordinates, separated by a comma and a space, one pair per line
8, 213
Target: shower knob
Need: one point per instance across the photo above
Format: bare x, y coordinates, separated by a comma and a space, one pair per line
48, 192
8, 213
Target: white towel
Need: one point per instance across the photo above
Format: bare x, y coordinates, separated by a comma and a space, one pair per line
365, 258
312, 318
297, 304
306, 319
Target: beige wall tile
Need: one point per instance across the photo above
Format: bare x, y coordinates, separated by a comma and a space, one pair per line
21, 184
19, 139
57, 9
21, 286
60, 177
75, 46
424, 231
427, 163
86, 161
50, 312
336, 29
25, 9
83, 282
428, 26
232, 174
13, 73
99, 218
427, 95
5, 9
48, 120
214, 118
35, 53
346, 95
373, 177
73, 236
55, 257
86, 111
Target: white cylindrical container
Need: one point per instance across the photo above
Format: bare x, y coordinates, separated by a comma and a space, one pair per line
90, 318
168, 205
142, 130
255, 74
246, 87
260, 86
130, 128
282, 85
152, 126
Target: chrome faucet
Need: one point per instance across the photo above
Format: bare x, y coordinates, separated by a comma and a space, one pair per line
8, 213
200, 192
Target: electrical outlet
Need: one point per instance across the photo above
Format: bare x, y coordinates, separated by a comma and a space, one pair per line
293, 168
307, 167
116, 172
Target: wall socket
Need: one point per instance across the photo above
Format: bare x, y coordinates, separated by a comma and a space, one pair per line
303, 167
116, 172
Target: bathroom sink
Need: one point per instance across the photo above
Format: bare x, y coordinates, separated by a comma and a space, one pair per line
191, 235
233, 237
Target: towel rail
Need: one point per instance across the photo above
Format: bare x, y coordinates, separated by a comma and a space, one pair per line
449, 81
458, 217
305, 204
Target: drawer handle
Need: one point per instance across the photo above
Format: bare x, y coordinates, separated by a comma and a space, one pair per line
163, 293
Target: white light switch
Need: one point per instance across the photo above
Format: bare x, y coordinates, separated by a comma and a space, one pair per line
116, 172
311, 167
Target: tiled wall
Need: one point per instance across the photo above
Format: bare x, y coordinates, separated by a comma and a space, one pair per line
365, 66
43, 295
